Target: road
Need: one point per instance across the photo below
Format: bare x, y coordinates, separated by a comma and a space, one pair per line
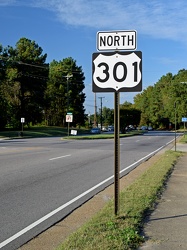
43, 180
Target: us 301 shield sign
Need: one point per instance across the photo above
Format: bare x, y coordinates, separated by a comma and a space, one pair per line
117, 71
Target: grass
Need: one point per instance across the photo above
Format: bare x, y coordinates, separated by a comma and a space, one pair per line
107, 231
184, 138
39, 131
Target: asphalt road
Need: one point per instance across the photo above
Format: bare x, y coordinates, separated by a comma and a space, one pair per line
42, 180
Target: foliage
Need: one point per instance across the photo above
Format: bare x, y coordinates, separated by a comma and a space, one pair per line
65, 92
129, 115
39, 92
164, 102
24, 82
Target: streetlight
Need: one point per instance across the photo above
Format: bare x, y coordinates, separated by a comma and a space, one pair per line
101, 98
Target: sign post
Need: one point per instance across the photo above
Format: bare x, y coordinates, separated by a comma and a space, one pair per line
116, 152
69, 118
22, 122
117, 72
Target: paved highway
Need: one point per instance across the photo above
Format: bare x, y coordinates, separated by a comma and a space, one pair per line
42, 180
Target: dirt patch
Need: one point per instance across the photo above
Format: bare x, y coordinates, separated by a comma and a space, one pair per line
54, 236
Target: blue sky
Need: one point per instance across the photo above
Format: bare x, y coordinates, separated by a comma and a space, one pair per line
68, 28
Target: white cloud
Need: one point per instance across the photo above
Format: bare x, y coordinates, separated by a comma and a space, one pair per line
156, 18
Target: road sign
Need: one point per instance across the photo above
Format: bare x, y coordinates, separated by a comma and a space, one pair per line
22, 120
184, 119
69, 118
116, 40
117, 71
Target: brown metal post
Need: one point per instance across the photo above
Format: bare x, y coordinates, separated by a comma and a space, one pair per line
116, 152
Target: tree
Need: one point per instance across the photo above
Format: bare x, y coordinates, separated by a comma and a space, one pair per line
26, 78
129, 115
159, 103
3, 101
65, 92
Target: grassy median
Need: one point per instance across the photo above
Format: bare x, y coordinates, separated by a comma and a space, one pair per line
107, 231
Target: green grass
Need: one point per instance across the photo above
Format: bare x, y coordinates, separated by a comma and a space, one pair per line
184, 138
107, 231
39, 131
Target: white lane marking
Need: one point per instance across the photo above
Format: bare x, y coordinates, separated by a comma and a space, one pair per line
36, 223
63, 156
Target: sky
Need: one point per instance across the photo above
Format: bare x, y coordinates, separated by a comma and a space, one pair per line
68, 28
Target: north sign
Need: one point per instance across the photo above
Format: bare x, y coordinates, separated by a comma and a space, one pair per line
117, 71
116, 40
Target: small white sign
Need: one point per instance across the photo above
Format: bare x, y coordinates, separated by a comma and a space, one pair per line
22, 120
69, 118
73, 132
116, 40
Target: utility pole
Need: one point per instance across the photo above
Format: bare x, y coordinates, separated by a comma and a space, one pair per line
101, 98
68, 76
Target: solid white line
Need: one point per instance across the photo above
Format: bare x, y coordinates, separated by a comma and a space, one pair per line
4, 243
59, 157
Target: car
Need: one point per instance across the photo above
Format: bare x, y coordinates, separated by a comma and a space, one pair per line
110, 128
104, 129
95, 131
143, 127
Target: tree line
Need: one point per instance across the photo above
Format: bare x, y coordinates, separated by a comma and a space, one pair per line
40, 92
159, 106
43, 93
164, 103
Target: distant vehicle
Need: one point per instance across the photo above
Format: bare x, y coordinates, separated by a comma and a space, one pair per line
95, 131
143, 127
104, 129
110, 128
129, 128
150, 128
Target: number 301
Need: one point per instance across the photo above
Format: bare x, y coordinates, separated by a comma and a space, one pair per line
116, 78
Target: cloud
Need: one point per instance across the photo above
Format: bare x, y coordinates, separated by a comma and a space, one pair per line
155, 18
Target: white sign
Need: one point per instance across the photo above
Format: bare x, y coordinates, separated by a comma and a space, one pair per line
184, 119
116, 40
22, 120
117, 71
69, 118
73, 132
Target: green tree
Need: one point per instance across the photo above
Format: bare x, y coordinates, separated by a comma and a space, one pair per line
65, 92
129, 115
26, 78
3, 101
159, 103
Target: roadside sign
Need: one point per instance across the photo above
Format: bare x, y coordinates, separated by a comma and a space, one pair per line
117, 71
22, 120
116, 40
69, 118
184, 119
